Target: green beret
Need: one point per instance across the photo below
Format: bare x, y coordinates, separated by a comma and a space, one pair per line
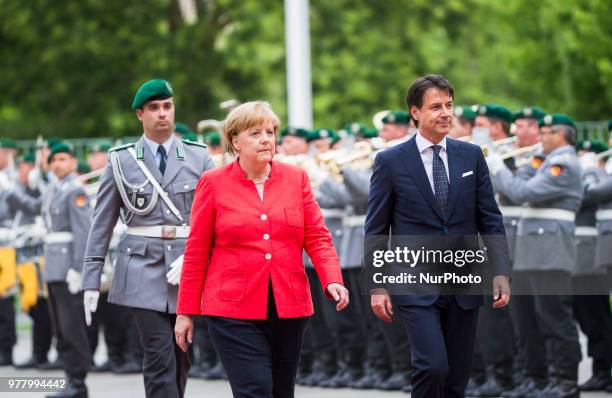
60, 147
7, 143
29, 157
101, 146
156, 89
296, 132
359, 130
594, 146
556, 118
193, 137
396, 117
495, 111
51, 142
182, 129
83, 167
213, 138
464, 112
530, 112
318, 134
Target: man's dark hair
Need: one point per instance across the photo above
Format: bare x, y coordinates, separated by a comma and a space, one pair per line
419, 87
569, 133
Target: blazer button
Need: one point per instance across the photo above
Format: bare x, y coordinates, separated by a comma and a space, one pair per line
264, 217
169, 247
129, 250
266, 236
540, 231
268, 256
185, 186
167, 211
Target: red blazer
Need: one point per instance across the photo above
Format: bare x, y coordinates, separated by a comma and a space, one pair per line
237, 243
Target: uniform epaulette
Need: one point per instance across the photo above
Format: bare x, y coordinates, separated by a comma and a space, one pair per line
562, 158
189, 142
120, 147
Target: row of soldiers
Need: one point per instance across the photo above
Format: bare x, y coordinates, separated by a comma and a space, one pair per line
370, 354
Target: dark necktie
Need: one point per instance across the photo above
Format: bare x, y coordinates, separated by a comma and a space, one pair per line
162, 163
440, 178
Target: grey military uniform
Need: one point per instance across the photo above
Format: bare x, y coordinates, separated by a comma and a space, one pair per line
67, 215
142, 262
333, 197
600, 194
545, 232
358, 185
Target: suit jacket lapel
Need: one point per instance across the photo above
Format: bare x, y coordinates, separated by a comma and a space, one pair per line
414, 165
149, 159
455, 168
173, 166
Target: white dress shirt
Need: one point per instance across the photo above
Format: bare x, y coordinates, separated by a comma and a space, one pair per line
154, 145
425, 149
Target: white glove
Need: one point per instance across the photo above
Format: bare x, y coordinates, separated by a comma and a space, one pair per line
34, 178
90, 304
174, 275
5, 182
589, 161
495, 163
74, 280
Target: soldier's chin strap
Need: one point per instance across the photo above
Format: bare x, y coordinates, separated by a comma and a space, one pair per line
156, 186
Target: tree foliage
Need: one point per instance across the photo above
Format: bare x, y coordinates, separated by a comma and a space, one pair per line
71, 68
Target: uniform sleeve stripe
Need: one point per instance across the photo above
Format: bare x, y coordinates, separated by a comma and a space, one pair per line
93, 260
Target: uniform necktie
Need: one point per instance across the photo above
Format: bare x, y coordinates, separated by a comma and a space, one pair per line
162, 154
440, 178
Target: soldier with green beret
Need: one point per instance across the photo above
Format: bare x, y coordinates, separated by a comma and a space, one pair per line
294, 141
98, 155
213, 140
496, 119
361, 131
463, 121
396, 125
322, 139
526, 121
595, 146
156, 89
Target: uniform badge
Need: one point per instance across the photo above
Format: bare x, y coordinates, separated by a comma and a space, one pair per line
527, 112
536, 162
556, 170
141, 202
548, 119
80, 200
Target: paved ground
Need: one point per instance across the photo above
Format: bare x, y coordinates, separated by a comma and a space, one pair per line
108, 385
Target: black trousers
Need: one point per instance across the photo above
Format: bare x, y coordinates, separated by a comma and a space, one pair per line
68, 319
442, 342
259, 356
42, 333
8, 335
164, 365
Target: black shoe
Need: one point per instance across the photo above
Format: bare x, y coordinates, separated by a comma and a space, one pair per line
342, 378
370, 380
491, 388
71, 391
318, 376
558, 388
527, 388
6, 358
50, 365
609, 388
472, 385
194, 371
598, 382
396, 381
128, 367
215, 373
29, 364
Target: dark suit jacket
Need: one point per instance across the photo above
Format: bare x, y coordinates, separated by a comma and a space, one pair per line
402, 201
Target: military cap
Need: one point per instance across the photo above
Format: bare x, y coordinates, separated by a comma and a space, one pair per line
83, 167
530, 112
156, 89
28, 157
495, 111
213, 138
396, 117
7, 143
359, 130
182, 129
556, 118
296, 132
101, 146
594, 146
60, 147
53, 141
318, 134
464, 112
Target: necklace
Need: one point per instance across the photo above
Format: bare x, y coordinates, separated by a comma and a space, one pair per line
259, 181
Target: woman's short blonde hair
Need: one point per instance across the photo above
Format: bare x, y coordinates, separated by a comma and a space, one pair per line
245, 116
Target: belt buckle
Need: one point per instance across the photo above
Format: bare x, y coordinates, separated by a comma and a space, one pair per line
168, 232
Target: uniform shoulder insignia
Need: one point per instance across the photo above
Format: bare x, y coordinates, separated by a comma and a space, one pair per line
80, 200
556, 170
120, 147
188, 142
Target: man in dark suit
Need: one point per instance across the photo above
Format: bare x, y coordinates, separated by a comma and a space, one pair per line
431, 186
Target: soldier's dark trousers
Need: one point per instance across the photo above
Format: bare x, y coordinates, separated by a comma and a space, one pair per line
68, 319
595, 320
42, 332
8, 335
164, 365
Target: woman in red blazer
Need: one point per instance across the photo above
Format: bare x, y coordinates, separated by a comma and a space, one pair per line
242, 266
